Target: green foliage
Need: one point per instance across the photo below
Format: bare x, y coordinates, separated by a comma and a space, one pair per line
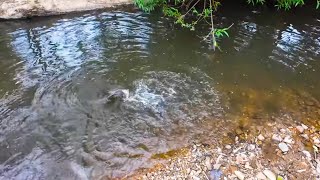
171, 12
283, 4
148, 5
221, 32
287, 4
253, 2
180, 9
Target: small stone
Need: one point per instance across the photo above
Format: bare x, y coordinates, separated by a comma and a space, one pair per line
283, 147
207, 162
247, 166
239, 131
216, 166
188, 170
261, 138
219, 150
236, 139
251, 147
228, 147
241, 158
307, 154
261, 176
195, 178
301, 170
316, 141
269, 174
288, 140
276, 137
239, 174
300, 129
304, 126
283, 131
305, 136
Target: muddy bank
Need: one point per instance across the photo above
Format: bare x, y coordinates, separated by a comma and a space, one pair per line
14, 9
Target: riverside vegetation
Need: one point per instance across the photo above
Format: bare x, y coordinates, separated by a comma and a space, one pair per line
188, 13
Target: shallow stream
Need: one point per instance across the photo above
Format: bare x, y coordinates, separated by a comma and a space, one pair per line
57, 75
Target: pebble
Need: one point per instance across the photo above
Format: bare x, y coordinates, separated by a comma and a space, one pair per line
283, 147
307, 154
239, 131
195, 178
228, 147
283, 131
261, 138
208, 163
300, 129
216, 166
261, 176
239, 174
269, 174
305, 136
288, 140
276, 137
247, 166
304, 126
316, 141
251, 147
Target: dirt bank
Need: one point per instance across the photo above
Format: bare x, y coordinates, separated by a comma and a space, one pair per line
14, 9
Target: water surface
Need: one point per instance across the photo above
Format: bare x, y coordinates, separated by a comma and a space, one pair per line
57, 73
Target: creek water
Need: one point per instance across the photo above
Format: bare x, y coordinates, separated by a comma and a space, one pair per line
57, 75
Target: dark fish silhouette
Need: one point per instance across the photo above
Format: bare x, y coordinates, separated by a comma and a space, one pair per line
117, 95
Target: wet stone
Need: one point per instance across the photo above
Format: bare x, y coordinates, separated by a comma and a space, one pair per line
270, 175
288, 140
276, 137
261, 138
261, 176
304, 126
208, 163
240, 175
283, 147
239, 131
300, 129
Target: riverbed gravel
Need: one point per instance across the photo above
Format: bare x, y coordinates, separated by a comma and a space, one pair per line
282, 153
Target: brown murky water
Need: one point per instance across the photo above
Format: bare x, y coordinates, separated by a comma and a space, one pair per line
57, 73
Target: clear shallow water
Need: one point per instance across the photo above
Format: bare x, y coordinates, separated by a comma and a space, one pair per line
57, 73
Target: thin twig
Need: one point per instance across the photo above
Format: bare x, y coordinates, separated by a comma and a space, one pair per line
191, 8
212, 28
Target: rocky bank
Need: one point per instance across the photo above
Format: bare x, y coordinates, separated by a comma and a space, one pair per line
14, 9
277, 152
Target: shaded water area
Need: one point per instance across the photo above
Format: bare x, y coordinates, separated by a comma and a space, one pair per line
57, 75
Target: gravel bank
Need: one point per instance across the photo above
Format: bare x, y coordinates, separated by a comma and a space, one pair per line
278, 152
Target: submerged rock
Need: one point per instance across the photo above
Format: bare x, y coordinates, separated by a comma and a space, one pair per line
14, 9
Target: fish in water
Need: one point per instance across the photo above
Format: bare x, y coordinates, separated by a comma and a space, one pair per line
118, 95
